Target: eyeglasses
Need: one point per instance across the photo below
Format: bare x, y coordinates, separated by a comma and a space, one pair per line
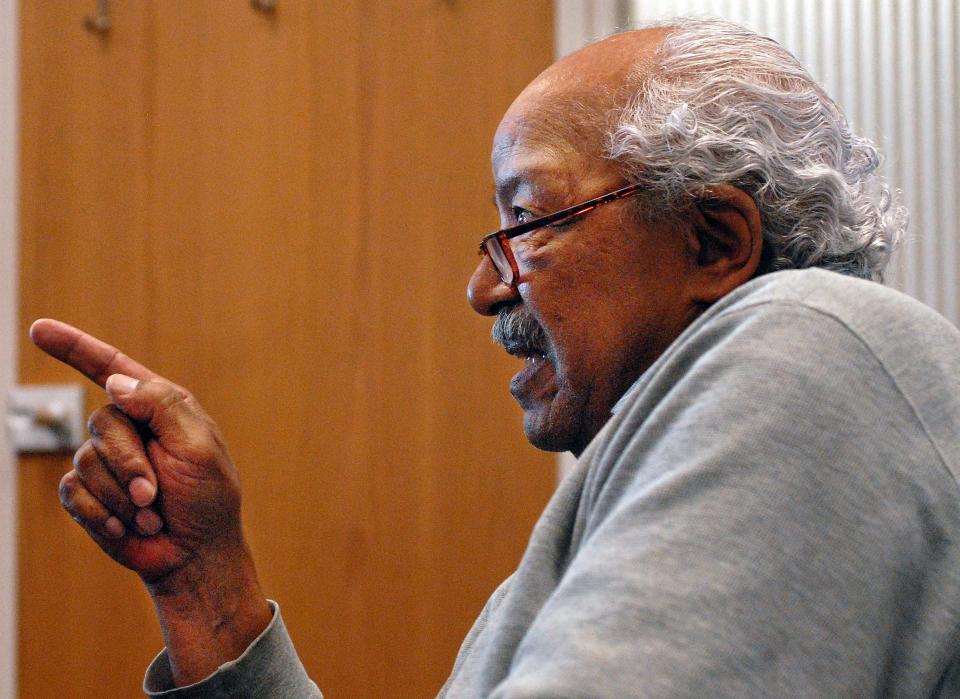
497, 245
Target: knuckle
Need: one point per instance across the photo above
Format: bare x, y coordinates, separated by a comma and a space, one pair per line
126, 462
184, 393
166, 393
68, 487
113, 414
198, 451
173, 397
117, 448
208, 444
98, 421
82, 452
85, 459
127, 465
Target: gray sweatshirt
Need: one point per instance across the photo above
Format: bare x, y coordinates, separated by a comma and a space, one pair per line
772, 511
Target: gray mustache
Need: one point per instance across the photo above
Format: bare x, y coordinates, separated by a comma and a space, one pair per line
519, 332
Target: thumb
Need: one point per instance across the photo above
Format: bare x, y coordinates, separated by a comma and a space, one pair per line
168, 410
119, 387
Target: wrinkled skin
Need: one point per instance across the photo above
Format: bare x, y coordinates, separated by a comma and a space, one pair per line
200, 505
155, 487
609, 293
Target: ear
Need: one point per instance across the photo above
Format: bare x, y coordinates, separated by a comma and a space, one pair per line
726, 240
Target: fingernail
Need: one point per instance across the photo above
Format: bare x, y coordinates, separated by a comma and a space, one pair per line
114, 527
121, 385
141, 491
149, 522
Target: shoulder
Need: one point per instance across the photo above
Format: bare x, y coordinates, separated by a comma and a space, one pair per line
806, 370
876, 313
874, 343
813, 322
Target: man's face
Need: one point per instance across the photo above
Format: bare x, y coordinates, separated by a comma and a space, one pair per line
600, 298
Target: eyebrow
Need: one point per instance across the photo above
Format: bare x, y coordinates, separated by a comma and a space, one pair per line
535, 178
508, 185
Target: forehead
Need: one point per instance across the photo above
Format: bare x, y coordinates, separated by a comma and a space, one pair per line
536, 146
556, 113
538, 172
558, 123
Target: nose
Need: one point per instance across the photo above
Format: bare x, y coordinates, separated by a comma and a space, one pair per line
486, 291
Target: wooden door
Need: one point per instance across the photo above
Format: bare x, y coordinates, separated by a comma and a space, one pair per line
280, 211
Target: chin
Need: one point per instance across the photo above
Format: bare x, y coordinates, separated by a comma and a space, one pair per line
546, 435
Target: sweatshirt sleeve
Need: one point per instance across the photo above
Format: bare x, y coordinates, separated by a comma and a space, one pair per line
761, 527
269, 667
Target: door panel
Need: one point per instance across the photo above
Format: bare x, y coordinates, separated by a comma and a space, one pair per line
281, 212
84, 193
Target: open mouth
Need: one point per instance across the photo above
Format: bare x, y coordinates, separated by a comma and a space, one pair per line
535, 379
528, 355
523, 337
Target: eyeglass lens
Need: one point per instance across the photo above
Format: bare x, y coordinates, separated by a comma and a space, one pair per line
500, 261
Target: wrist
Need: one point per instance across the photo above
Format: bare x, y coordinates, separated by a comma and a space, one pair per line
210, 611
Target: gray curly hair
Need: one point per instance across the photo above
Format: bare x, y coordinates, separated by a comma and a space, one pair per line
725, 104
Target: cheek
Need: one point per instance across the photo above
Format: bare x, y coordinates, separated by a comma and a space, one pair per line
579, 344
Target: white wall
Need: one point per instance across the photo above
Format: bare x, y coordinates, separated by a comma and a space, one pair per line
578, 22
8, 313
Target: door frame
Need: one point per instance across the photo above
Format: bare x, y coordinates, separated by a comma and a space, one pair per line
9, 205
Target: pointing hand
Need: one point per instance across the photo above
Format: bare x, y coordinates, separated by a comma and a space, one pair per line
154, 485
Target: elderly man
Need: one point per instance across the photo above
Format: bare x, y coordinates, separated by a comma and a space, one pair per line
765, 502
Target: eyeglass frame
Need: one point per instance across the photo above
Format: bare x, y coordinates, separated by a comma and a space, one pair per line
501, 237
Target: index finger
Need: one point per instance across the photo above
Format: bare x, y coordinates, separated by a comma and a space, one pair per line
93, 358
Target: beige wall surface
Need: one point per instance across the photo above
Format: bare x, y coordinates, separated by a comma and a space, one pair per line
8, 224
